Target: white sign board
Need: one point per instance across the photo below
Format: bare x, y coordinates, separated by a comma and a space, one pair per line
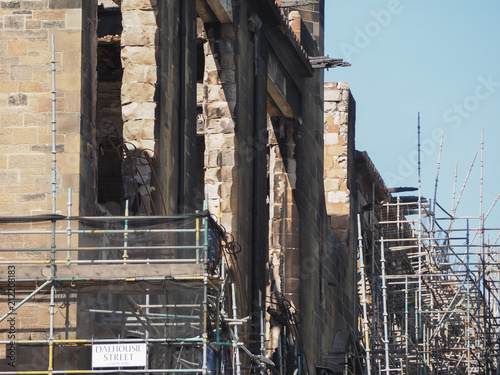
119, 355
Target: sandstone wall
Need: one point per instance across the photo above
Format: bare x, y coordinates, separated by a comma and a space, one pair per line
25, 102
26, 30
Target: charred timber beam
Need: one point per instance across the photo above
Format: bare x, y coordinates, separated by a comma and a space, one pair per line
325, 62
297, 3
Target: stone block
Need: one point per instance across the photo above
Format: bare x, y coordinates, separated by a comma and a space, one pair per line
32, 60
21, 73
68, 123
337, 209
333, 95
9, 177
140, 35
11, 4
47, 148
72, 102
67, 40
344, 119
337, 197
212, 158
23, 34
38, 46
34, 4
30, 86
17, 48
332, 184
140, 73
13, 119
8, 86
138, 129
18, 99
228, 174
49, 14
331, 139
14, 22
330, 107
53, 24
6, 198
70, 181
224, 126
65, 4
26, 161
214, 141
40, 77
47, 139
66, 82
33, 25
138, 111
44, 102
212, 175
139, 4
132, 55
72, 143
137, 18
25, 135
343, 86
218, 109
137, 92
67, 163
36, 197
73, 19
331, 128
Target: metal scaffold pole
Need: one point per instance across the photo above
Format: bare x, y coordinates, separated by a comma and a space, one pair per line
54, 210
363, 299
467, 319
384, 303
236, 349
205, 300
406, 325
419, 309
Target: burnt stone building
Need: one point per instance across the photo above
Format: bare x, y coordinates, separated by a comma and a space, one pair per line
167, 108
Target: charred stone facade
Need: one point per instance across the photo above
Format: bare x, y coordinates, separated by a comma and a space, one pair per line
173, 107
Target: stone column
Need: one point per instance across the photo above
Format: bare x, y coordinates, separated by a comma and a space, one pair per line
139, 49
219, 102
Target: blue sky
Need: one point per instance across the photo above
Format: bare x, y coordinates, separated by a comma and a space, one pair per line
439, 58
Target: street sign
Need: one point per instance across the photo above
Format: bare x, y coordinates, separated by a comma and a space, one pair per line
119, 355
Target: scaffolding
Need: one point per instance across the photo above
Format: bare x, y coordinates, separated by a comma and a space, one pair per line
429, 281
156, 281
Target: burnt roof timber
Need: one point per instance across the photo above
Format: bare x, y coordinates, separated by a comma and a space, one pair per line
297, 3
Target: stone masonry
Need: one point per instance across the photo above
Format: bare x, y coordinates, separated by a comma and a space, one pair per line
219, 103
25, 100
337, 133
26, 31
139, 40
